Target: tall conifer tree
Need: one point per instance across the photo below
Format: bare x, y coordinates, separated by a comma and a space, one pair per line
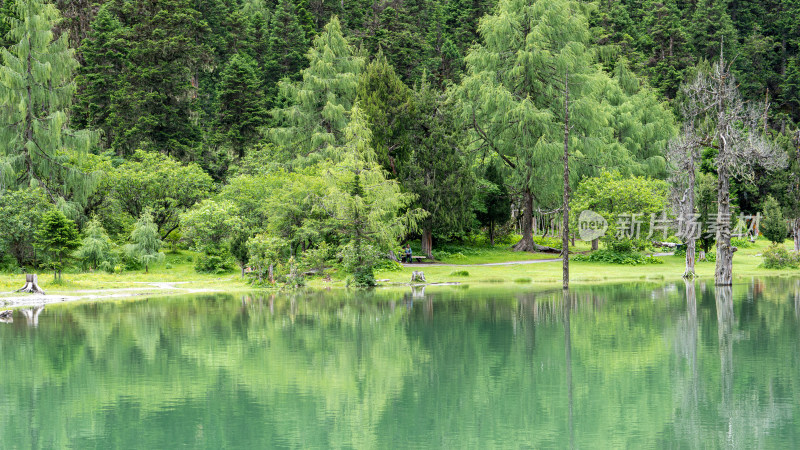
36, 91
319, 104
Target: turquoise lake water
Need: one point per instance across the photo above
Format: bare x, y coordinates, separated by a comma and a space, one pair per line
636, 365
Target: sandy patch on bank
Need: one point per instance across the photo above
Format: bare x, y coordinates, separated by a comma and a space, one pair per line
151, 288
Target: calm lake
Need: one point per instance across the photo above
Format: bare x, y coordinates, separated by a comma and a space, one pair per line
638, 366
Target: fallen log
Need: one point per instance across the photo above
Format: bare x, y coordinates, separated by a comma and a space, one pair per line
31, 285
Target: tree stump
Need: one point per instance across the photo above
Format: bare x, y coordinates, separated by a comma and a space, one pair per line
31, 285
418, 275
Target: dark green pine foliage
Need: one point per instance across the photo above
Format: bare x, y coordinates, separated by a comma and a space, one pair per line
305, 18
385, 100
57, 237
288, 45
665, 45
496, 203
156, 107
709, 26
438, 172
103, 53
241, 112
442, 56
394, 33
6, 13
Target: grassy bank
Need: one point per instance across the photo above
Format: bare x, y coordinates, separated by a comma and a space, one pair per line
746, 264
178, 273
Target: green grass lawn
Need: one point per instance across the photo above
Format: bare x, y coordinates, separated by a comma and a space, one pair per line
746, 263
179, 267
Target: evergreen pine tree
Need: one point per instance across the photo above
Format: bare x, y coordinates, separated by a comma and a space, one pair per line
36, 91
241, 113
710, 25
57, 237
288, 44
385, 101
496, 203
773, 225
156, 106
103, 53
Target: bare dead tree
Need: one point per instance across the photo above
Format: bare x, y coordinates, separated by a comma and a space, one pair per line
683, 155
726, 123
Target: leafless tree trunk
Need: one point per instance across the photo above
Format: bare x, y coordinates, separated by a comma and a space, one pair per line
526, 244
427, 242
565, 227
726, 123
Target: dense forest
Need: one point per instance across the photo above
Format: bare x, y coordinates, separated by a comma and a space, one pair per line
291, 133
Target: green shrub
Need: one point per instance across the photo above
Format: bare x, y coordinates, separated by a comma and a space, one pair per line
524, 280
459, 273
214, 260
615, 257
741, 242
777, 257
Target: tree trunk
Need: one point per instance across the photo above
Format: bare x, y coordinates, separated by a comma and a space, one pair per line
565, 226
242, 270
526, 244
796, 232
491, 233
271, 274
31, 285
427, 242
595, 244
724, 270
688, 210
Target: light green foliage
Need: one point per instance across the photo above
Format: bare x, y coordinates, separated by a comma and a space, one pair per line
36, 90
21, 212
96, 248
145, 241
612, 195
160, 183
57, 237
777, 257
773, 225
212, 226
265, 252
319, 104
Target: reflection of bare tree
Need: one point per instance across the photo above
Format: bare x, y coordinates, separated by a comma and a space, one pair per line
32, 315
687, 388
567, 305
724, 299
797, 298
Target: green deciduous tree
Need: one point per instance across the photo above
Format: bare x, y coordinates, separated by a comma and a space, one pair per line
318, 106
36, 90
160, 184
96, 247
21, 213
145, 241
57, 237
513, 98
